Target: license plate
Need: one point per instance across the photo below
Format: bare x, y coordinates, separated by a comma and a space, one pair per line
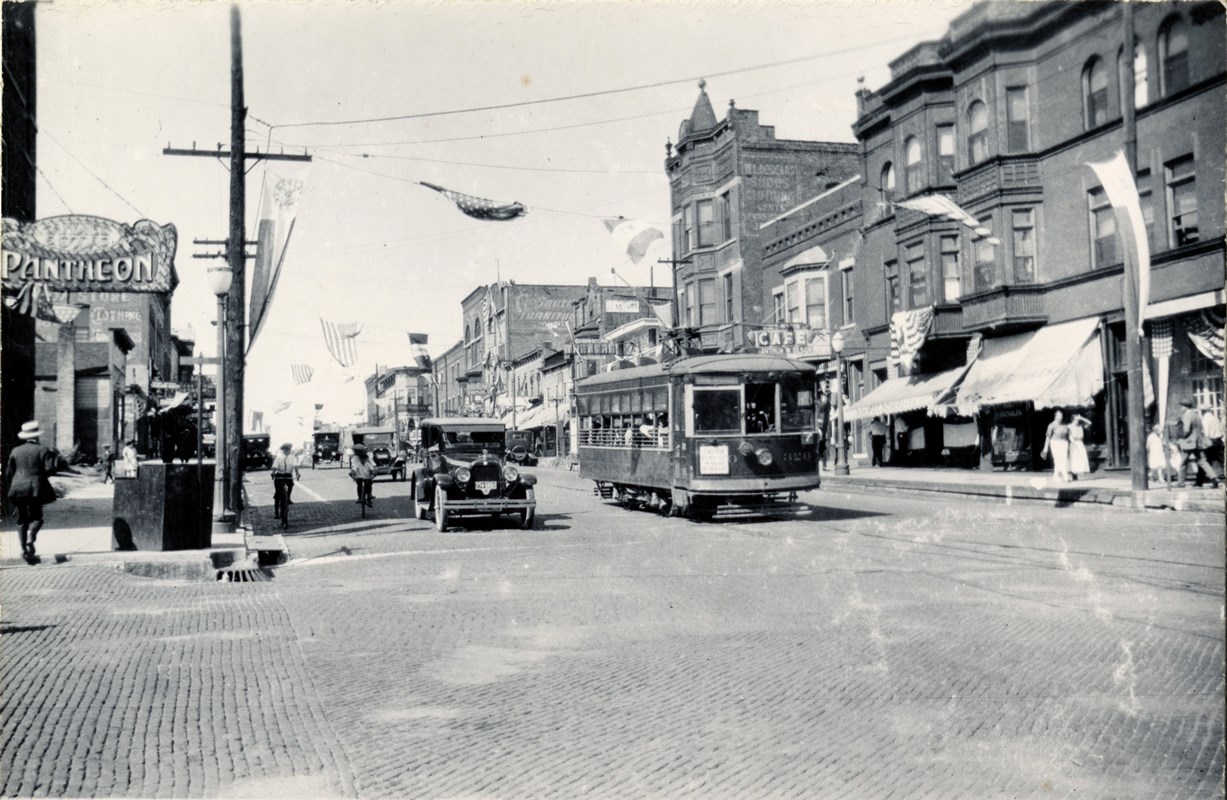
485, 487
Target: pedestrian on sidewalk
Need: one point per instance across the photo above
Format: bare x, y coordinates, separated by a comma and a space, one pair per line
1156, 458
1212, 429
1079, 461
1193, 443
877, 440
1056, 441
130, 458
30, 467
108, 459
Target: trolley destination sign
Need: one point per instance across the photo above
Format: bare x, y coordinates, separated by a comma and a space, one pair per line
81, 253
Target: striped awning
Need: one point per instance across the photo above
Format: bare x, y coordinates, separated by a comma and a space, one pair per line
900, 395
1058, 365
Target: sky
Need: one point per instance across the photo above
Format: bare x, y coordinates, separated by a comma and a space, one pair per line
120, 81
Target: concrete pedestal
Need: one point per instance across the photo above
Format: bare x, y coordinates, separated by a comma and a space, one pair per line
164, 507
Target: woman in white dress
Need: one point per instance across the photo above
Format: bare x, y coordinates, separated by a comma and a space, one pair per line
1056, 441
1079, 463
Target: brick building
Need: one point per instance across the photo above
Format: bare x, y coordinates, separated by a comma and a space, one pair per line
727, 178
969, 338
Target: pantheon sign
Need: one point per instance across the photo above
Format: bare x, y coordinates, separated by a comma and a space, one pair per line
81, 253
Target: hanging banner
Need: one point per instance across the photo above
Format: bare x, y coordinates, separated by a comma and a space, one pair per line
81, 253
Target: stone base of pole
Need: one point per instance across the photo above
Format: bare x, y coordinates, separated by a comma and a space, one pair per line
841, 469
224, 520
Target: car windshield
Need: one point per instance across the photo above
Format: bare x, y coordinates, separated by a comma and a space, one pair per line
477, 440
327, 439
382, 440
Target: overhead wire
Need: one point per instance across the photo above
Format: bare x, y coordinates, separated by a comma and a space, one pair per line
588, 95
84, 166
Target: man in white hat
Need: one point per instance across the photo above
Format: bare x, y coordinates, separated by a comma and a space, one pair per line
30, 465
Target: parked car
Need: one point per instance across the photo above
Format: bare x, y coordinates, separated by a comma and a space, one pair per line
521, 447
465, 472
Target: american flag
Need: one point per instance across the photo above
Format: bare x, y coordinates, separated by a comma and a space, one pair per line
34, 300
480, 207
302, 373
938, 205
340, 340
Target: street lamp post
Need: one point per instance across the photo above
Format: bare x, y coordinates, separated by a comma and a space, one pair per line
841, 453
220, 279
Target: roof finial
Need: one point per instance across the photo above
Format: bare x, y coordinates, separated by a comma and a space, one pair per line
702, 84
732, 103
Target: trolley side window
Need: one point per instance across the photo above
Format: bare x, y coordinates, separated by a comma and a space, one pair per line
797, 408
717, 411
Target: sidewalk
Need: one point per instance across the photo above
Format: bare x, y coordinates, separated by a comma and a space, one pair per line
77, 527
1102, 488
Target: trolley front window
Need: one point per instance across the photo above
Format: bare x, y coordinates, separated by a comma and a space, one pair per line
797, 408
760, 408
717, 411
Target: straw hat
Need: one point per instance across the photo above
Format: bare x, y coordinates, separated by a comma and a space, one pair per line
29, 430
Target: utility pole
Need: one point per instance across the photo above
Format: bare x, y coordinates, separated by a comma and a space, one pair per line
1135, 401
233, 369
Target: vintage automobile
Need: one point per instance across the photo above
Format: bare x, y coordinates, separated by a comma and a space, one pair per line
383, 444
256, 451
327, 447
465, 473
521, 447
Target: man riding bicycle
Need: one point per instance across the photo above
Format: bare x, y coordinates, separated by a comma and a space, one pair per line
285, 472
362, 470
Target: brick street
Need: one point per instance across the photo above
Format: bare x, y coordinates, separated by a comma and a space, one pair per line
886, 647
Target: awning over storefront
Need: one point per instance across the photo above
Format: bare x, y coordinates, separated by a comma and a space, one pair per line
900, 395
538, 417
1058, 365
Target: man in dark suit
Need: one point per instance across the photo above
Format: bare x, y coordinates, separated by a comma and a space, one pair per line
30, 465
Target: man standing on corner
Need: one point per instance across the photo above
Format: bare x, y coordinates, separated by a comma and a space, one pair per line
877, 440
30, 466
1193, 445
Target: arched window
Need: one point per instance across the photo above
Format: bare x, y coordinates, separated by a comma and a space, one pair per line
1094, 93
467, 334
977, 132
887, 183
914, 171
1173, 56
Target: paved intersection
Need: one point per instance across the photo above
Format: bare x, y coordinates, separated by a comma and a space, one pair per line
887, 647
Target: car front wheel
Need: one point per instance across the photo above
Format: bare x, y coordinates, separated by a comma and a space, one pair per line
529, 515
440, 509
420, 507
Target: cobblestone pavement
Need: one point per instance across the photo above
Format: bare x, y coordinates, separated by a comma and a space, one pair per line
885, 647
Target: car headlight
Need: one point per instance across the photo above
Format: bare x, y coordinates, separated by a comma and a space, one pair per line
463, 475
510, 473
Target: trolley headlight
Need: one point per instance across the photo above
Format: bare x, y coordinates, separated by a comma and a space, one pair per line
808, 438
746, 449
510, 474
463, 475
764, 457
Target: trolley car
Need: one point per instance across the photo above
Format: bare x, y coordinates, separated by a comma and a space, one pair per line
701, 436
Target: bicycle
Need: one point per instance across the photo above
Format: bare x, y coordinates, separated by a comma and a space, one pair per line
364, 494
281, 506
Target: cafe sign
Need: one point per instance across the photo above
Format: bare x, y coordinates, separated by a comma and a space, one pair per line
81, 253
789, 340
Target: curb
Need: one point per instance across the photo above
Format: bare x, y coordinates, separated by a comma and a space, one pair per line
1059, 497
